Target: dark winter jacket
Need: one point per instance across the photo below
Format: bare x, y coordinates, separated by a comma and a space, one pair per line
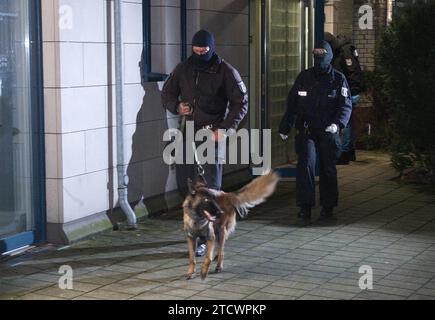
346, 60
217, 94
317, 100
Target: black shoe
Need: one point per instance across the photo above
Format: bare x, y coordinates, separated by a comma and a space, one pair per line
352, 155
305, 213
327, 212
344, 159
304, 216
326, 217
201, 249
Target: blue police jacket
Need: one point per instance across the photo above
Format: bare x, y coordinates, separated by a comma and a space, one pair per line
317, 100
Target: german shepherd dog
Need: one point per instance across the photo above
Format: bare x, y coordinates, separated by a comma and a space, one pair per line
212, 214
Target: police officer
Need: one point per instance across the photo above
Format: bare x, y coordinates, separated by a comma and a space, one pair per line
209, 91
318, 106
346, 60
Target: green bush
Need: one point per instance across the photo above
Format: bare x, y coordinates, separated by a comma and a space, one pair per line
380, 136
405, 61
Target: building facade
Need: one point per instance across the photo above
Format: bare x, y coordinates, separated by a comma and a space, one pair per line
58, 178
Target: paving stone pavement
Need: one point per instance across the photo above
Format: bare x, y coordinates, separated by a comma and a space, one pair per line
380, 223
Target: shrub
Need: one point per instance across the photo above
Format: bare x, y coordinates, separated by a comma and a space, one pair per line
405, 61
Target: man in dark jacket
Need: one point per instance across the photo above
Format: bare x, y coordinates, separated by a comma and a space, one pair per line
346, 60
318, 106
209, 91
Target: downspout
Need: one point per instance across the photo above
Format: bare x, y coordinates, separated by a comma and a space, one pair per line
121, 167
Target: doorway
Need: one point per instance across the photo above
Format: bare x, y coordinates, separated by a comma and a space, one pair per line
22, 188
287, 32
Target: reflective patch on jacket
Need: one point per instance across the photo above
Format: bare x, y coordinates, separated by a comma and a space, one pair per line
242, 87
344, 92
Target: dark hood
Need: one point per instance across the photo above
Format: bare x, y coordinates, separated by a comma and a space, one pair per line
342, 40
332, 40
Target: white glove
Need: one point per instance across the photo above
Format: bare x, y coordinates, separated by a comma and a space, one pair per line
283, 136
333, 128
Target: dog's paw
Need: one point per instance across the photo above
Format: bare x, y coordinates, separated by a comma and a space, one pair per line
190, 276
218, 270
203, 275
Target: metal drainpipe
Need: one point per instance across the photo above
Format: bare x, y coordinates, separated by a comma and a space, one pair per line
121, 167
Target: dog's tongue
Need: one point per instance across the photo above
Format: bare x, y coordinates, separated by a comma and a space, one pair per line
209, 216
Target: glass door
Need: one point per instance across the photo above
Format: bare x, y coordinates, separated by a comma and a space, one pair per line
284, 56
20, 126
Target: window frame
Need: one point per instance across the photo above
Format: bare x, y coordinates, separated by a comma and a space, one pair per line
146, 61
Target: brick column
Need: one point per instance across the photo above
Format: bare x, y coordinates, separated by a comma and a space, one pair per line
365, 40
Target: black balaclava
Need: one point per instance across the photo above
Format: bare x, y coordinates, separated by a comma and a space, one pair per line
323, 62
203, 38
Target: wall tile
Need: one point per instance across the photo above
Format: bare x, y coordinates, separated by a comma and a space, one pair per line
95, 64
71, 64
85, 195
132, 22
54, 200
132, 55
73, 154
81, 20
97, 150
83, 108
53, 156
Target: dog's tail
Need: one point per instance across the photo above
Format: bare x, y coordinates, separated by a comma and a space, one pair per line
254, 193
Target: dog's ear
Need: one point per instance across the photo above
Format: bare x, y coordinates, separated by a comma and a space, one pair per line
190, 187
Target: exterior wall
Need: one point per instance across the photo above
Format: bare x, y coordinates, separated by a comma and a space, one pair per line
339, 17
79, 106
79, 96
342, 17
365, 40
165, 35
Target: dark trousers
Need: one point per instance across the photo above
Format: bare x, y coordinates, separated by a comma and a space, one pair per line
212, 174
348, 133
348, 138
212, 171
308, 146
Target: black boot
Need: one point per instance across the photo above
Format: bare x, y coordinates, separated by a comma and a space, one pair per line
326, 216
304, 216
352, 155
327, 212
344, 159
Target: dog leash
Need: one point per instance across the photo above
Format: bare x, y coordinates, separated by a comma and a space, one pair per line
199, 167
